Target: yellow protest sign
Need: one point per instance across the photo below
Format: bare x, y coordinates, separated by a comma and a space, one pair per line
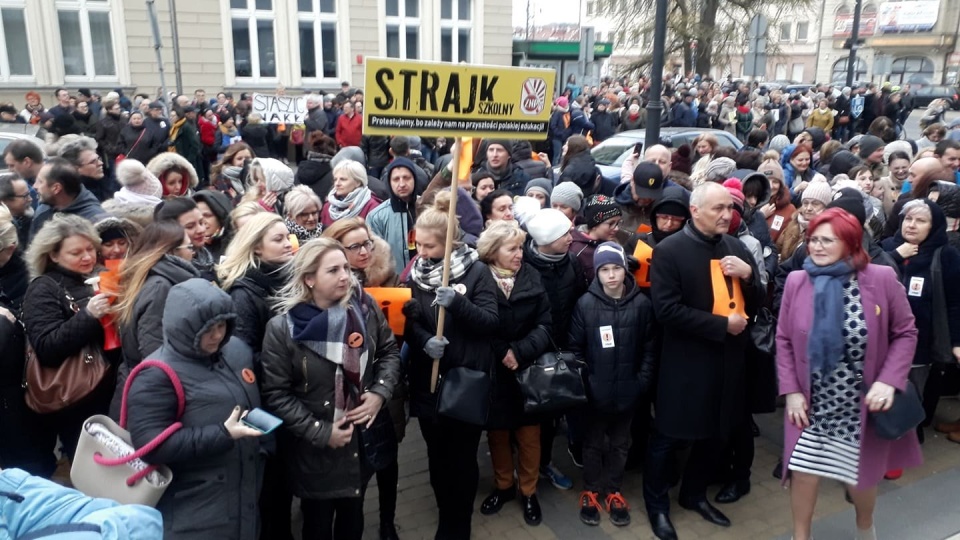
404, 97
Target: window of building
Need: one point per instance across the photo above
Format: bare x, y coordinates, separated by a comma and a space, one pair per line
14, 47
403, 29
317, 25
803, 28
456, 18
86, 41
839, 72
911, 70
780, 73
254, 42
797, 73
785, 31
590, 7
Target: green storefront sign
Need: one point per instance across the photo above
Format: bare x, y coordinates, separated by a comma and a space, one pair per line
565, 50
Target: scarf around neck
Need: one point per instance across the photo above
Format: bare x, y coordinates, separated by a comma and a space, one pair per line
505, 279
428, 273
349, 206
328, 333
825, 343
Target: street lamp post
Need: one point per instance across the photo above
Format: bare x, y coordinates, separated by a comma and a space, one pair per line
655, 105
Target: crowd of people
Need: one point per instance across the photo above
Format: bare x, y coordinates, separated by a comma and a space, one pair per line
248, 279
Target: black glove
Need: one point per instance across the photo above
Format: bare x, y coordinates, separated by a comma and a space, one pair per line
412, 310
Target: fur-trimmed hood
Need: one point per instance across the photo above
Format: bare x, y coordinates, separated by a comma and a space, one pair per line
382, 271
169, 160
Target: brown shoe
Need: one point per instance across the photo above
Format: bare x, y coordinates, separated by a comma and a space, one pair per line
947, 427
954, 437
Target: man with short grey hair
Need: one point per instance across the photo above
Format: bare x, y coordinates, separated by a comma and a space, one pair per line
704, 288
316, 119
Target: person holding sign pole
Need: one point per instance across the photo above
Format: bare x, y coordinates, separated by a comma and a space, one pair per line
470, 301
704, 288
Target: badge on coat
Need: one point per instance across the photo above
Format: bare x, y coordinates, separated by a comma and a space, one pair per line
355, 340
606, 337
916, 286
248, 376
460, 288
777, 223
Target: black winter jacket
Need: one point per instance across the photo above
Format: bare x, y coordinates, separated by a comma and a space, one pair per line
316, 173
298, 386
216, 480
616, 376
606, 124
109, 137
251, 295
136, 144
144, 333
256, 136
582, 170
522, 157
565, 283
14, 279
524, 328
471, 322
377, 150
57, 327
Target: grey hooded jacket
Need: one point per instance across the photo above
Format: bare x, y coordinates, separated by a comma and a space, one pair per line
216, 480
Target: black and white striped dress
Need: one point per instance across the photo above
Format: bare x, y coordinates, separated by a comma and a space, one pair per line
830, 447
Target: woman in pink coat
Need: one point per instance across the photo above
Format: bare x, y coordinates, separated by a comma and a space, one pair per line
845, 342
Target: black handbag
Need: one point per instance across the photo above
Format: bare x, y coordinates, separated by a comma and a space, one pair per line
763, 332
464, 394
380, 441
904, 415
552, 383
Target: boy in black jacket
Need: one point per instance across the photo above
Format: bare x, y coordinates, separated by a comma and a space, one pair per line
612, 332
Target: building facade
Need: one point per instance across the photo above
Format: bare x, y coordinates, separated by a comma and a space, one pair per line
238, 45
909, 41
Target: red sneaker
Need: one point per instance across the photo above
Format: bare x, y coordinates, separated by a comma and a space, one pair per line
895, 474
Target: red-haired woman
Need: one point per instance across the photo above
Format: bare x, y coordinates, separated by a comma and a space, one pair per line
845, 342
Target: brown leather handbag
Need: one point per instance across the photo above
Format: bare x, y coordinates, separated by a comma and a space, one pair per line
52, 389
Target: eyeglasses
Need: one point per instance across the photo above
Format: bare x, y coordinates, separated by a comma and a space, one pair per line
822, 241
25, 196
671, 219
355, 248
93, 162
305, 215
187, 246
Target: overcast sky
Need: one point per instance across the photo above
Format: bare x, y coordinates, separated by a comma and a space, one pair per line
546, 11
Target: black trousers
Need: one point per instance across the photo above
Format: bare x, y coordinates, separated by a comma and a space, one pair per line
329, 519
387, 479
275, 502
454, 473
738, 458
606, 444
661, 463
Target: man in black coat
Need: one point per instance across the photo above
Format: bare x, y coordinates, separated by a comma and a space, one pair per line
704, 287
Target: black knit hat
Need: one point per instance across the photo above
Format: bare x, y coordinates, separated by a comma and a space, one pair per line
599, 208
852, 202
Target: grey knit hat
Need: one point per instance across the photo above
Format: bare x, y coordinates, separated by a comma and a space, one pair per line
720, 169
541, 185
778, 143
569, 194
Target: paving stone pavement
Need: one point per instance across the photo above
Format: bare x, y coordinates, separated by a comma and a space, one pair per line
763, 514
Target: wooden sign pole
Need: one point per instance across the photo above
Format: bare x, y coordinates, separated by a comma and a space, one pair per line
452, 230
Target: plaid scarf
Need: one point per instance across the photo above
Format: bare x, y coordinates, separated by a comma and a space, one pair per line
326, 332
428, 273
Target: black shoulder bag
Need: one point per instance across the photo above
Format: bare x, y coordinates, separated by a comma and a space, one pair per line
552, 383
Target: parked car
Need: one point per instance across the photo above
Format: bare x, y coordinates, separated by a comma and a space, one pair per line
923, 95
611, 153
15, 132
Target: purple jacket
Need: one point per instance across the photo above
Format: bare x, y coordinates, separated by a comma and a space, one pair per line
891, 340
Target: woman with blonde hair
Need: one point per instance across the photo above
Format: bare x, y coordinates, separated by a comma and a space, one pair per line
522, 336
350, 196
368, 254
327, 329
302, 213
471, 321
704, 145
243, 212
252, 272
61, 315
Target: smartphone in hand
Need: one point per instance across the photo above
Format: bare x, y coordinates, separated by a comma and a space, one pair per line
261, 421
638, 149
